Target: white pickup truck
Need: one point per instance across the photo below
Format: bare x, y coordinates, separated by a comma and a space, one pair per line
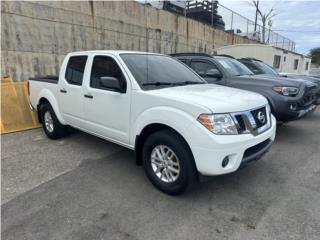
179, 126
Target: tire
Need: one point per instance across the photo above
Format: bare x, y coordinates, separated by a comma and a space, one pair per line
50, 123
161, 173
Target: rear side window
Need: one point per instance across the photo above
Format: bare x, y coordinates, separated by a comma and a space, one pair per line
75, 70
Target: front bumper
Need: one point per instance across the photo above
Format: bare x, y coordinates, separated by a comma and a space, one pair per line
289, 109
209, 150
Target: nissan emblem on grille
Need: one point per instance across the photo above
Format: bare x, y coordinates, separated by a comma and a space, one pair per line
261, 117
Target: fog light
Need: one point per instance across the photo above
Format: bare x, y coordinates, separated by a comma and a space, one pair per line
225, 162
293, 106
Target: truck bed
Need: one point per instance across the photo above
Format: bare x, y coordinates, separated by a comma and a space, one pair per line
49, 78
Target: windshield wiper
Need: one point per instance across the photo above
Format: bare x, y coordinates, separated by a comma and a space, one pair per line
157, 84
187, 82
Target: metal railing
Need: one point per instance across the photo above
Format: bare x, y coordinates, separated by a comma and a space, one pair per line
244, 27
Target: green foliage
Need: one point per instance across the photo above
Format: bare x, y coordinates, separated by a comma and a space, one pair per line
315, 55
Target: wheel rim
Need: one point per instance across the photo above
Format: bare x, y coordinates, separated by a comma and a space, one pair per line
165, 163
48, 121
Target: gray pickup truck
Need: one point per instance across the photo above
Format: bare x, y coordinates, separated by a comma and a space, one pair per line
289, 99
260, 68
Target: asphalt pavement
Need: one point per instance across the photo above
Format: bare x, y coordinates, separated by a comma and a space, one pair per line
82, 187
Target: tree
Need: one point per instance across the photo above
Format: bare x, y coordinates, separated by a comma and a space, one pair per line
315, 55
266, 18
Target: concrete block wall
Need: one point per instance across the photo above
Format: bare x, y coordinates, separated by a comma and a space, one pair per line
35, 36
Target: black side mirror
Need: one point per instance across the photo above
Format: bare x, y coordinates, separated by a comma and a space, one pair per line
111, 83
214, 73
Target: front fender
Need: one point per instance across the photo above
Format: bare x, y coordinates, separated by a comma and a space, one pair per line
45, 93
172, 117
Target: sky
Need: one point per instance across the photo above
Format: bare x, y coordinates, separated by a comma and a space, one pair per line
297, 20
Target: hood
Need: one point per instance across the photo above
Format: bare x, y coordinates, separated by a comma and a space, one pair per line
273, 80
302, 77
218, 99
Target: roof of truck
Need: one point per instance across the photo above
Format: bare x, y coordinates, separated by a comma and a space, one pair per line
112, 52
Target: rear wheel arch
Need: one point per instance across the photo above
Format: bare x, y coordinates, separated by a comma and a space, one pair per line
42, 102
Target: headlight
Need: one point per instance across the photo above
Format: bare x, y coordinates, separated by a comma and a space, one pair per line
221, 124
286, 91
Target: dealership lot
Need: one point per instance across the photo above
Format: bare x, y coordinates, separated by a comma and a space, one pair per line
82, 187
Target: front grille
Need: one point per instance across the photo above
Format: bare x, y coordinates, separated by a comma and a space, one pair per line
242, 126
254, 121
260, 116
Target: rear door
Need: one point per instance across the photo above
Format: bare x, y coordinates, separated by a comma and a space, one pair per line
107, 110
70, 90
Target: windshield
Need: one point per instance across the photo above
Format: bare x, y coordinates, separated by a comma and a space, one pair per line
266, 69
234, 67
153, 71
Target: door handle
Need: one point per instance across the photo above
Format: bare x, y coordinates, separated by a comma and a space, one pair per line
88, 96
63, 90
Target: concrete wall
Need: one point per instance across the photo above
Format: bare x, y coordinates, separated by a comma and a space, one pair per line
35, 36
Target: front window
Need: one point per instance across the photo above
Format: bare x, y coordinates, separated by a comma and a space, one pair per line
234, 67
266, 69
154, 71
202, 67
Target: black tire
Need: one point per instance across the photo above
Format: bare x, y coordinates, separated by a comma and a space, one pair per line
188, 173
58, 130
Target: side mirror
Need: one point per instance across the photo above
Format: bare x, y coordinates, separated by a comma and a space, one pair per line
214, 73
111, 83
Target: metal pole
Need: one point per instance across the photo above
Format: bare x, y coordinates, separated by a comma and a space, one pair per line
247, 28
231, 20
256, 19
212, 12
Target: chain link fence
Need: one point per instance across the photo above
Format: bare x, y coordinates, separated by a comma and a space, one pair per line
239, 25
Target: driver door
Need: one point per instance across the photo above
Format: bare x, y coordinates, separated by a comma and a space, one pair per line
107, 108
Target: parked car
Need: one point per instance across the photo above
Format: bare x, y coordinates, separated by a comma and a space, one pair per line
260, 68
289, 99
315, 72
179, 126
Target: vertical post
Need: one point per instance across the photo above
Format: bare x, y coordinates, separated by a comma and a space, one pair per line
256, 19
277, 39
231, 21
212, 12
283, 43
248, 28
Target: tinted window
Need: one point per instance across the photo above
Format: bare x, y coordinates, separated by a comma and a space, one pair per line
234, 67
266, 69
201, 67
253, 68
75, 69
152, 68
183, 60
104, 66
